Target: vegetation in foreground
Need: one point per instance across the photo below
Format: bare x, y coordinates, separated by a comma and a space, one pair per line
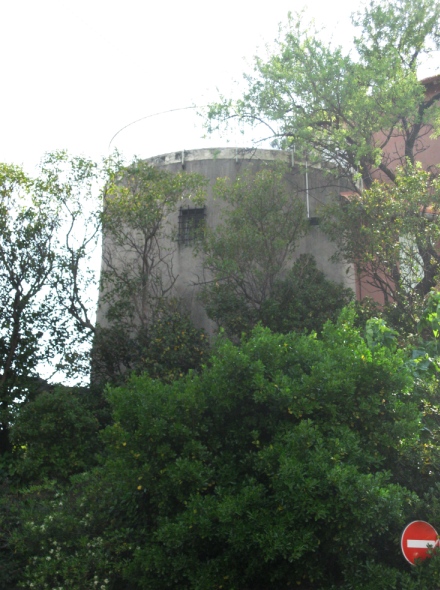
279, 459
288, 459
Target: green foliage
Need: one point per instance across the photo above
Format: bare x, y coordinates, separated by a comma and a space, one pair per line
138, 278
349, 110
250, 257
303, 300
228, 309
429, 324
46, 239
289, 460
11, 563
166, 349
261, 225
390, 234
139, 241
53, 527
56, 436
377, 333
173, 347
425, 346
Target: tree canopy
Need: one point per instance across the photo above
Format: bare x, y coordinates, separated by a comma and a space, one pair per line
141, 322
361, 115
390, 235
288, 460
47, 236
346, 110
281, 458
262, 222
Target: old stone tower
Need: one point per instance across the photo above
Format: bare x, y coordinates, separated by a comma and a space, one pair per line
306, 182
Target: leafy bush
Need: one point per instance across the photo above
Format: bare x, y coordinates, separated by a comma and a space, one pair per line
57, 436
166, 349
285, 462
303, 300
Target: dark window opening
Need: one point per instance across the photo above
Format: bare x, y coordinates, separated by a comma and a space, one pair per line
191, 222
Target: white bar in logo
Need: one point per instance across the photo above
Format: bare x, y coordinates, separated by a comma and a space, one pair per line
419, 544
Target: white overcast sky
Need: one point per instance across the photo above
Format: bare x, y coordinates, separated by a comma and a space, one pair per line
74, 73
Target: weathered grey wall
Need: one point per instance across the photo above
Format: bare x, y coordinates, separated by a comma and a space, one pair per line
229, 162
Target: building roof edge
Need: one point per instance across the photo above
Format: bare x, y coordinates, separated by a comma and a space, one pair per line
221, 153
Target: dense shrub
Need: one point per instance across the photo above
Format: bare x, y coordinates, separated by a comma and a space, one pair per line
288, 461
304, 299
56, 435
166, 349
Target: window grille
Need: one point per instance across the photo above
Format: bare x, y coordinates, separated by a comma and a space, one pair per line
313, 220
191, 222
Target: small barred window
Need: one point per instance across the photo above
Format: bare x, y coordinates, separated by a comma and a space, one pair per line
191, 222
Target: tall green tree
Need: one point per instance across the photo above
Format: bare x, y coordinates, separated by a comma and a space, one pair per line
262, 223
390, 235
57, 436
303, 299
46, 240
347, 110
138, 277
250, 268
363, 115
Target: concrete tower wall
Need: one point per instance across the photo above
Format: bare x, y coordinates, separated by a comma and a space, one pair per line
313, 187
